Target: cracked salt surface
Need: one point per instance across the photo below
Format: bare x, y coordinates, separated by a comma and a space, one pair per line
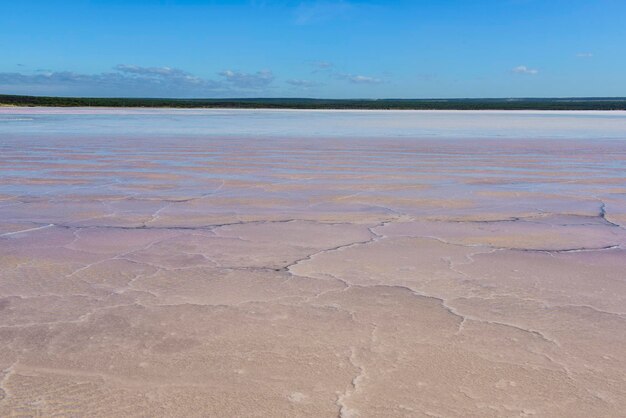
193, 274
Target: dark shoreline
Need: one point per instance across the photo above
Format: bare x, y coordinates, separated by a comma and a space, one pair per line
581, 103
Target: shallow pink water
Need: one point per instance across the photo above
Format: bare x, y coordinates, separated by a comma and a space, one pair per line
231, 274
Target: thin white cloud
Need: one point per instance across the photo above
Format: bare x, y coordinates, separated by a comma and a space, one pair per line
319, 11
163, 73
358, 79
321, 65
133, 81
365, 79
257, 80
584, 55
157, 71
305, 84
522, 69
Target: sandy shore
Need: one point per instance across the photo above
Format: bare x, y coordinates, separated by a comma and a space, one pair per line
214, 276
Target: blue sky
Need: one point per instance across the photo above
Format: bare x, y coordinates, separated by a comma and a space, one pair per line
336, 49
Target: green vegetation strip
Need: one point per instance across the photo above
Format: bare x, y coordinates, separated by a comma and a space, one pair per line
583, 103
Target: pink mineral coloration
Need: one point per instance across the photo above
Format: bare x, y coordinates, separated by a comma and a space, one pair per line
202, 268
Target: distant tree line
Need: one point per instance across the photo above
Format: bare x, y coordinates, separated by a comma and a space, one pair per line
581, 103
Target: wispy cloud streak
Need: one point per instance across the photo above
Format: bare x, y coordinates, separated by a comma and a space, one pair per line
320, 11
358, 79
522, 69
257, 80
133, 80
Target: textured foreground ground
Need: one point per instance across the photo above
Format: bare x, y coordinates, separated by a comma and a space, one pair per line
312, 277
